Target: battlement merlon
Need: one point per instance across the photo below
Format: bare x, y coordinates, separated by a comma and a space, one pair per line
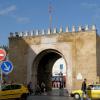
49, 31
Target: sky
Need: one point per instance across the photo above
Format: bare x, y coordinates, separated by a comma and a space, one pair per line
27, 15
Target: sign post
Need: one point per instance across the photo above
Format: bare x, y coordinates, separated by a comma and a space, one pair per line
61, 67
61, 75
2, 57
0, 78
2, 54
6, 67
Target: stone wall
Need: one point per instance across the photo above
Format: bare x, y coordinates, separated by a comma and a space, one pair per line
83, 50
98, 55
18, 55
85, 57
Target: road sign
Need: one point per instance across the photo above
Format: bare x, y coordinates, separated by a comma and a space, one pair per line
6, 67
61, 66
2, 54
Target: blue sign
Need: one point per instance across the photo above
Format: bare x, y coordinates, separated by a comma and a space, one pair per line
6, 67
61, 66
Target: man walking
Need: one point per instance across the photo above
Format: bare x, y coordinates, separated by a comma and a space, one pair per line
83, 88
30, 87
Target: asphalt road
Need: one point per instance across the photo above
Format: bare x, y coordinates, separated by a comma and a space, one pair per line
49, 98
55, 94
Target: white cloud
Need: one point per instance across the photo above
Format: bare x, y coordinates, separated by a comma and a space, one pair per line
96, 16
89, 5
94, 8
23, 20
8, 10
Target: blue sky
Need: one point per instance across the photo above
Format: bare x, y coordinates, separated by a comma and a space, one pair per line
27, 15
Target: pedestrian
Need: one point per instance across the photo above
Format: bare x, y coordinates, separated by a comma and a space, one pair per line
4, 82
38, 90
61, 89
43, 87
29, 86
83, 88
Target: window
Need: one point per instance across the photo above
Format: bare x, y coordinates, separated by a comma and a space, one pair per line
11, 87
96, 87
6, 88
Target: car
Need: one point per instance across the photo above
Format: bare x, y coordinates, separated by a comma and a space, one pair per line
16, 91
93, 92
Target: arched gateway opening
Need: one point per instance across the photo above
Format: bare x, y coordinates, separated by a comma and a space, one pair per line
42, 67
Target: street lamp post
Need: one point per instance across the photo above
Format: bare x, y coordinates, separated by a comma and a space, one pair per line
61, 84
61, 80
61, 75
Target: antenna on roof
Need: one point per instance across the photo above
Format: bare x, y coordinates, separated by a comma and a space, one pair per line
50, 14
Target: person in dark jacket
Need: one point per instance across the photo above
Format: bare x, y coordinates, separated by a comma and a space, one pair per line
83, 88
29, 86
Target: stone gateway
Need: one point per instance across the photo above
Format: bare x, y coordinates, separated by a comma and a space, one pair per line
34, 54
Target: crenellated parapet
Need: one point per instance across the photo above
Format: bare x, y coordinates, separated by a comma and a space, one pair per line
54, 31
